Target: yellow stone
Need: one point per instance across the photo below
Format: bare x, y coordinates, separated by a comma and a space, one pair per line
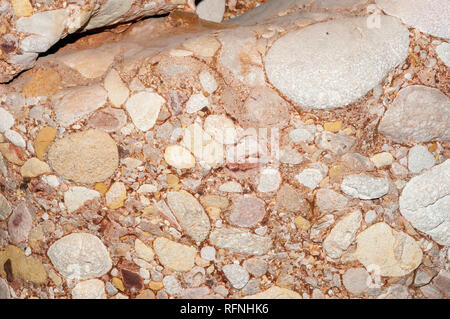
172, 180
433, 147
12, 153
42, 83
116, 195
333, 126
155, 285
101, 188
44, 138
117, 282
302, 223
22, 8
27, 268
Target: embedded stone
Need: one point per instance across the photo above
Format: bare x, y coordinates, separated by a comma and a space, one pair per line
85, 157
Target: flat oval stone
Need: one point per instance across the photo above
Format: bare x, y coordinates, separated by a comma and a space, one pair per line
85, 157
425, 202
5, 208
332, 64
80, 255
190, 214
240, 241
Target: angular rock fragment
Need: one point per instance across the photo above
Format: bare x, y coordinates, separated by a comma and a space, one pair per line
342, 234
85, 157
173, 255
429, 17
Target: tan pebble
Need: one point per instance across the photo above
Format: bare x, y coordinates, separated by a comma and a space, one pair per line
12, 153
179, 157
348, 131
333, 126
302, 223
42, 83
336, 170
210, 269
199, 261
34, 167
146, 294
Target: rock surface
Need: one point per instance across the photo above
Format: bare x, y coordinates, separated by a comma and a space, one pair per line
40, 30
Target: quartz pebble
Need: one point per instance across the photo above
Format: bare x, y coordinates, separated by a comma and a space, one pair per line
342, 235
190, 215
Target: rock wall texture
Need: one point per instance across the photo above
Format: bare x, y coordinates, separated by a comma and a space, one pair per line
28, 28
299, 150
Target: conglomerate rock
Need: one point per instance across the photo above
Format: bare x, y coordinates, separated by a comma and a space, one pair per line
299, 150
